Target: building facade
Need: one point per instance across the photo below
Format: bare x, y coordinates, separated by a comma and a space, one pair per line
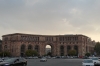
0, 45
18, 43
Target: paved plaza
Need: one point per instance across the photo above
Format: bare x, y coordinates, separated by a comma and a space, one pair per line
55, 62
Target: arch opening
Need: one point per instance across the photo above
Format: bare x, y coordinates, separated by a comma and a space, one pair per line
48, 50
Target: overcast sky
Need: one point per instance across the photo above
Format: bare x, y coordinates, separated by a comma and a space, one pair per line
50, 17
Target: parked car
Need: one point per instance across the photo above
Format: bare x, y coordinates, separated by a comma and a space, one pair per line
5, 58
1, 60
14, 62
35, 57
95, 59
54, 57
43, 59
87, 62
29, 57
85, 57
57, 57
48, 57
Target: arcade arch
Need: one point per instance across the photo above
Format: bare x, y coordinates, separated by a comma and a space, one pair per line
48, 50
45, 49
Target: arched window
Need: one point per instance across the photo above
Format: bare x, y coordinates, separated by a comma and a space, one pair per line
5, 47
37, 48
30, 47
68, 48
23, 48
76, 48
62, 50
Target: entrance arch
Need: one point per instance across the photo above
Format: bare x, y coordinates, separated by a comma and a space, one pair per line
48, 50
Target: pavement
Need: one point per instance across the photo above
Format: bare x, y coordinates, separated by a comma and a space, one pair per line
55, 62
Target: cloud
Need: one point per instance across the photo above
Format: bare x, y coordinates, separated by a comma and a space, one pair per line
50, 17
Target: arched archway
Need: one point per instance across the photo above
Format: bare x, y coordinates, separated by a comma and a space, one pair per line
30, 47
62, 50
22, 50
76, 48
48, 51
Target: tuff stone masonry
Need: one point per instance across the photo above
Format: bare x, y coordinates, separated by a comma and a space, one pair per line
18, 43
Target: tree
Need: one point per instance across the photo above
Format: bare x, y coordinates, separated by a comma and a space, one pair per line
87, 54
72, 52
1, 54
31, 53
35, 53
5, 54
97, 48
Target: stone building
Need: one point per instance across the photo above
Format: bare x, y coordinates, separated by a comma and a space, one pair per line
18, 43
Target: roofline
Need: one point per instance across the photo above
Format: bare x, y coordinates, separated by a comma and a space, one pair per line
44, 35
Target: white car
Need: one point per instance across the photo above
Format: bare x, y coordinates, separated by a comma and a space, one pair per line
87, 62
54, 57
43, 59
95, 60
